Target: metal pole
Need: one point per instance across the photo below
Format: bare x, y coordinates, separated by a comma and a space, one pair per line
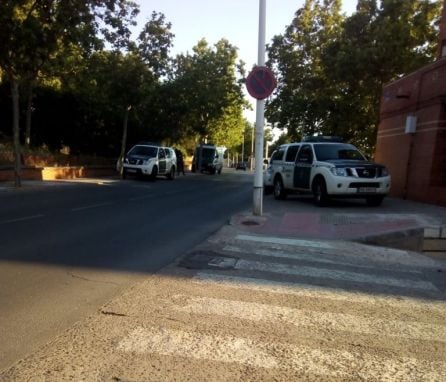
243, 147
260, 120
251, 164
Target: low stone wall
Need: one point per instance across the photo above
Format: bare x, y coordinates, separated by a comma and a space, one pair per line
52, 173
28, 173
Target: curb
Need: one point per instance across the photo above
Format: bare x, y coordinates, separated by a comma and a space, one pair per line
407, 239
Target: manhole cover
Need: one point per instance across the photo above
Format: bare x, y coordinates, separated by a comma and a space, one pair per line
250, 222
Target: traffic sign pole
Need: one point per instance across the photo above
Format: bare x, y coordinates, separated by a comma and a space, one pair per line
260, 120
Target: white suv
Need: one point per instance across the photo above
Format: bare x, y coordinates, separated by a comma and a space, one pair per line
327, 168
147, 159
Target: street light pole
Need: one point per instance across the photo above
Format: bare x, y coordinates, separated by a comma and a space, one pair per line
243, 147
260, 120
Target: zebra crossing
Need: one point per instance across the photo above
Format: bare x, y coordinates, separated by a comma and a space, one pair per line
288, 310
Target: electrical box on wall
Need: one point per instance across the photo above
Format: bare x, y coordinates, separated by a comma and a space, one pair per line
411, 124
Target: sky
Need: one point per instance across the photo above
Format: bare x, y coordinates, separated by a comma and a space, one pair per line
235, 20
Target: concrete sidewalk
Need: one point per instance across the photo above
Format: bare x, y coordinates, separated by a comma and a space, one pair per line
250, 307
291, 295
397, 223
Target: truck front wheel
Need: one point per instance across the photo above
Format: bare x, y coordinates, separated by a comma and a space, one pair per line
320, 192
154, 174
279, 189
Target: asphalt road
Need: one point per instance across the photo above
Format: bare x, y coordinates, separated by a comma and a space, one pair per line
66, 250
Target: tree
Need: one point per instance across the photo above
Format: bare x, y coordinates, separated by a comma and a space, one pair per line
303, 98
32, 31
331, 69
209, 90
154, 43
377, 45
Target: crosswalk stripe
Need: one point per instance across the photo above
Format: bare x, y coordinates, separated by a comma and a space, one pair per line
390, 256
309, 318
317, 292
301, 359
287, 269
196, 345
303, 256
284, 241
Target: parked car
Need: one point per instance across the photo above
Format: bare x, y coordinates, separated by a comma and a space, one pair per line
327, 168
148, 159
240, 166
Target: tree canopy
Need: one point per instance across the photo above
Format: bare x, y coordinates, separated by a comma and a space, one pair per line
76, 70
331, 68
85, 76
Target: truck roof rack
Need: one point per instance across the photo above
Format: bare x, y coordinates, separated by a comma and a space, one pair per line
323, 138
148, 143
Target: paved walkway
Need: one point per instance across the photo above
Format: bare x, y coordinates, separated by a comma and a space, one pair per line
283, 297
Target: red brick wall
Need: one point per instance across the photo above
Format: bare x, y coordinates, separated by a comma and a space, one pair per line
417, 162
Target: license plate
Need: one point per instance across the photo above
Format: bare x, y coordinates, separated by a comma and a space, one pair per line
368, 190
130, 170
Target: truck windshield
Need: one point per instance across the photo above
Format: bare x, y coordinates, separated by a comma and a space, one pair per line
146, 151
337, 152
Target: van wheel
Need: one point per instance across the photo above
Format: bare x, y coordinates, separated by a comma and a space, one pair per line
279, 190
320, 192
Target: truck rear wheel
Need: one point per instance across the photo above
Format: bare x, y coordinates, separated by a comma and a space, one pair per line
171, 175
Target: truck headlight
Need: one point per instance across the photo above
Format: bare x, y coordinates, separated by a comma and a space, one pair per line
384, 171
339, 171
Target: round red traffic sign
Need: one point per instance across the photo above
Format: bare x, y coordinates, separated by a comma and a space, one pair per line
261, 82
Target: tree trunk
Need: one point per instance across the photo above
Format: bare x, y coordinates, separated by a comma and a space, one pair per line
124, 138
29, 104
16, 131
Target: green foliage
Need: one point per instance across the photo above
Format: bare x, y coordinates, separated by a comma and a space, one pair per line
209, 93
331, 68
89, 79
154, 43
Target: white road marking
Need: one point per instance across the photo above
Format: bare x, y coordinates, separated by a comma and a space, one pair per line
283, 241
301, 256
25, 218
316, 292
315, 319
293, 270
196, 345
92, 206
329, 362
